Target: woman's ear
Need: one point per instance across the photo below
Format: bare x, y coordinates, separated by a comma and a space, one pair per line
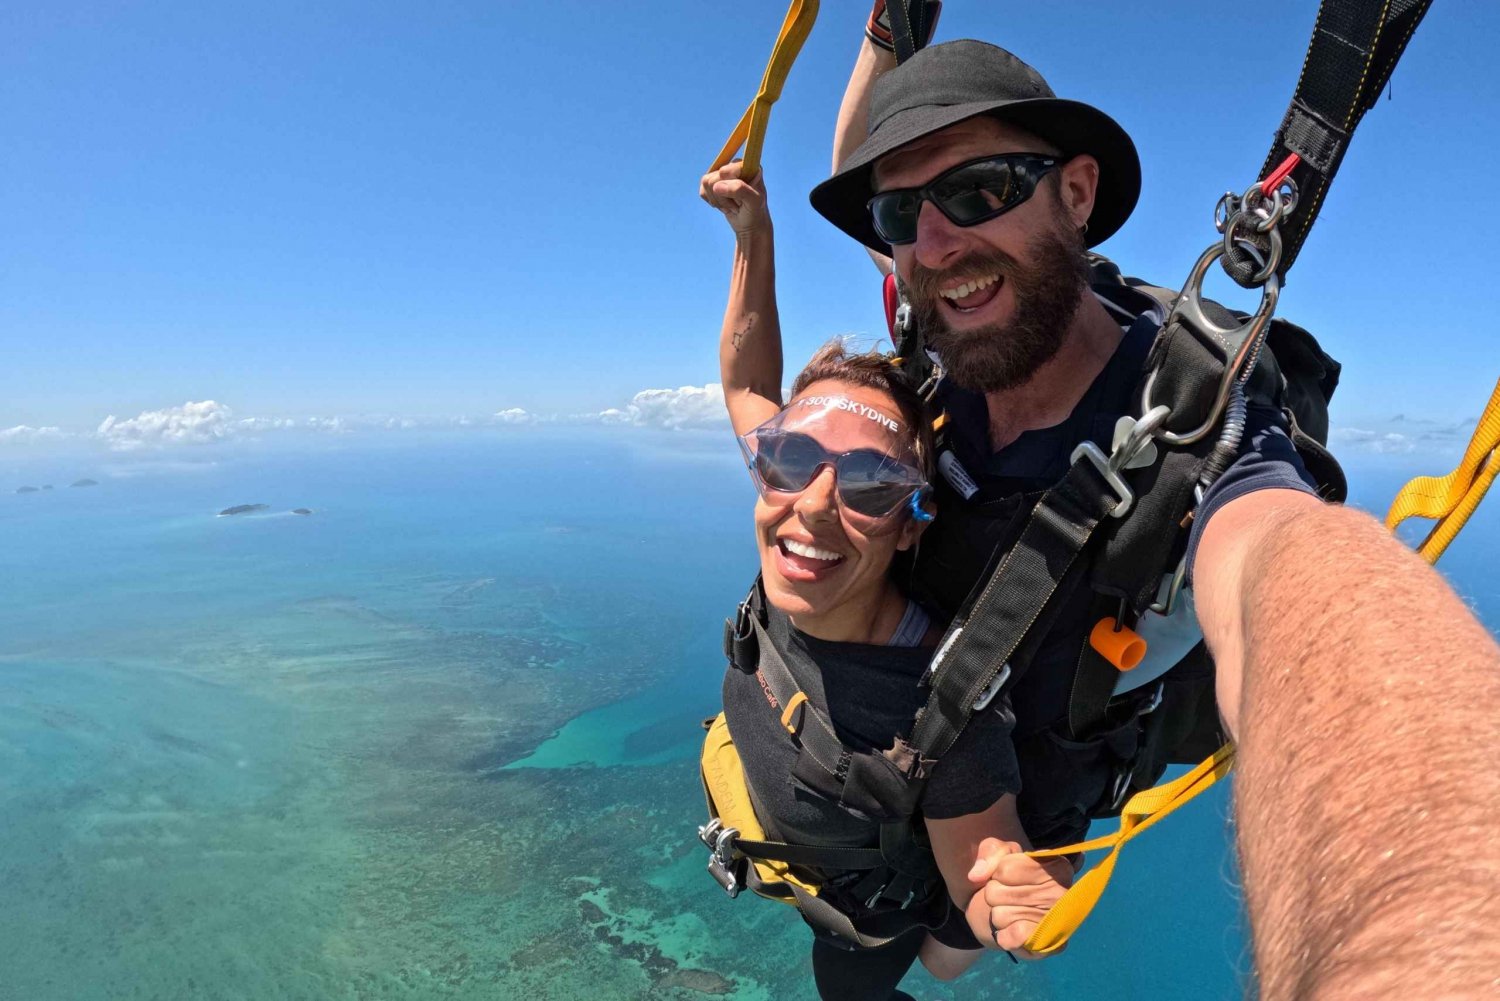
912, 530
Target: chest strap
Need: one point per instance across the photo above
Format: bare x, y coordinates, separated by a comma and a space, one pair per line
974, 661
883, 785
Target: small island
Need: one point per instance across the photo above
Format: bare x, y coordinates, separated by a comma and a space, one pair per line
301, 510
85, 483
242, 509
25, 490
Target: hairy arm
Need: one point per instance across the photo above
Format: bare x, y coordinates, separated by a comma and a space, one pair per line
854, 113
750, 339
1363, 696
1002, 892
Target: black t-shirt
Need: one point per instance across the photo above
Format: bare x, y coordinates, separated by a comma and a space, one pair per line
872, 695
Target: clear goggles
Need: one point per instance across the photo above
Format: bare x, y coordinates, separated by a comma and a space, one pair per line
876, 470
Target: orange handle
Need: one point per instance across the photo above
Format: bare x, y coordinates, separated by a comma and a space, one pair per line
1122, 647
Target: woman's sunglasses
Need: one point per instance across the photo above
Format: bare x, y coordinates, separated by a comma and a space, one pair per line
870, 482
969, 194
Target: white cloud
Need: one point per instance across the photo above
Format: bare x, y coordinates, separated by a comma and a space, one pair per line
254, 425
192, 423
1386, 443
23, 434
208, 421
672, 409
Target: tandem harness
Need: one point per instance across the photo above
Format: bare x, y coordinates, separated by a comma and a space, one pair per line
863, 896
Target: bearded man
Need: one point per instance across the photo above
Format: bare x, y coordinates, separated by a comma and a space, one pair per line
1345, 669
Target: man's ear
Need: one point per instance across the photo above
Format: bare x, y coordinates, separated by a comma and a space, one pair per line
1078, 182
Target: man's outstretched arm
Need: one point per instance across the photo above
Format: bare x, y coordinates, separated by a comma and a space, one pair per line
1365, 700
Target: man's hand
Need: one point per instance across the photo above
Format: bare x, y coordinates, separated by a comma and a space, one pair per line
1017, 892
742, 202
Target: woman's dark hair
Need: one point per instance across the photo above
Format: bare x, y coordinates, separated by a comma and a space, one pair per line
874, 371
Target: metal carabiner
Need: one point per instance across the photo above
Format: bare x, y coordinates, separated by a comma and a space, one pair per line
1249, 334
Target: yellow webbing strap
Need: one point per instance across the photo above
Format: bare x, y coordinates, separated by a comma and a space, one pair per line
751, 130
1143, 809
728, 797
1451, 499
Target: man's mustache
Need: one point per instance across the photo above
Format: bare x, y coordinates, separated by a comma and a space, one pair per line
923, 283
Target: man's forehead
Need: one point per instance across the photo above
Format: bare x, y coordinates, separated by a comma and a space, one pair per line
922, 159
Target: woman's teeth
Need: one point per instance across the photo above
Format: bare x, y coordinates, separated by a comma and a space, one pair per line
969, 287
811, 552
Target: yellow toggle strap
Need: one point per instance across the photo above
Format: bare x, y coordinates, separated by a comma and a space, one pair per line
751, 130
791, 707
1143, 809
1452, 499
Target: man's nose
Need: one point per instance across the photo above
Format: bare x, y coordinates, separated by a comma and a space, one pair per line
938, 241
820, 500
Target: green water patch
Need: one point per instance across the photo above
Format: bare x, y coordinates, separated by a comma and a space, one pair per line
651, 729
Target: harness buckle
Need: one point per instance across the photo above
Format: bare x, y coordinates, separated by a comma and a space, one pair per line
1132, 447
722, 865
1151, 706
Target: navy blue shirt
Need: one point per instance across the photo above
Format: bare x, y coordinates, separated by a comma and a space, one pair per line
992, 494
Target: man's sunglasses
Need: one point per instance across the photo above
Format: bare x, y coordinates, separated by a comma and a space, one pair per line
870, 482
969, 194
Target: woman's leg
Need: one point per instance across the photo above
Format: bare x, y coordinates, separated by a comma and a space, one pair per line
944, 961
864, 974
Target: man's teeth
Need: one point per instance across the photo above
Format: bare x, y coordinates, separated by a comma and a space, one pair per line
811, 552
969, 287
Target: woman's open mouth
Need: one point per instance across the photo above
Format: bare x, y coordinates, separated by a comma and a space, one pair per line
801, 561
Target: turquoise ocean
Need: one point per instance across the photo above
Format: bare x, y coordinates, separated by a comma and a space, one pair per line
438, 738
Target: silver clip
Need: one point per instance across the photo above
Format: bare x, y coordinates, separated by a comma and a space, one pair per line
1131, 447
992, 689
1173, 586
721, 863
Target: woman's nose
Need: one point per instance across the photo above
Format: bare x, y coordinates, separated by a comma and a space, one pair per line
820, 499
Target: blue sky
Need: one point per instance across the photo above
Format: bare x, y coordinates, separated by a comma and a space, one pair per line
438, 210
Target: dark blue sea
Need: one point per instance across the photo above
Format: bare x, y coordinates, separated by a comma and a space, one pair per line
438, 738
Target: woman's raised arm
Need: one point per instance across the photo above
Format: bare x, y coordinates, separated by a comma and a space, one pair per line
750, 340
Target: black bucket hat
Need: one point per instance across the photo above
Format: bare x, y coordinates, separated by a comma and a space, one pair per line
944, 84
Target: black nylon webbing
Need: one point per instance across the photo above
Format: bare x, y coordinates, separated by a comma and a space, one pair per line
1355, 45
908, 27
816, 734
1012, 599
818, 856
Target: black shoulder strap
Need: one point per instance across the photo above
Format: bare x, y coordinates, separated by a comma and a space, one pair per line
1355, 45
749, 648
974, 660
911, 25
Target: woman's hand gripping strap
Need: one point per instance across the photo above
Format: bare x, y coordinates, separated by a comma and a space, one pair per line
1143, 809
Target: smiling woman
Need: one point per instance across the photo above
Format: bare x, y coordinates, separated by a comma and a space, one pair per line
842, 489
827, 663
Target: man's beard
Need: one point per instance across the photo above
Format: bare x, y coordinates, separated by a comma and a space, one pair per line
1047, 291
